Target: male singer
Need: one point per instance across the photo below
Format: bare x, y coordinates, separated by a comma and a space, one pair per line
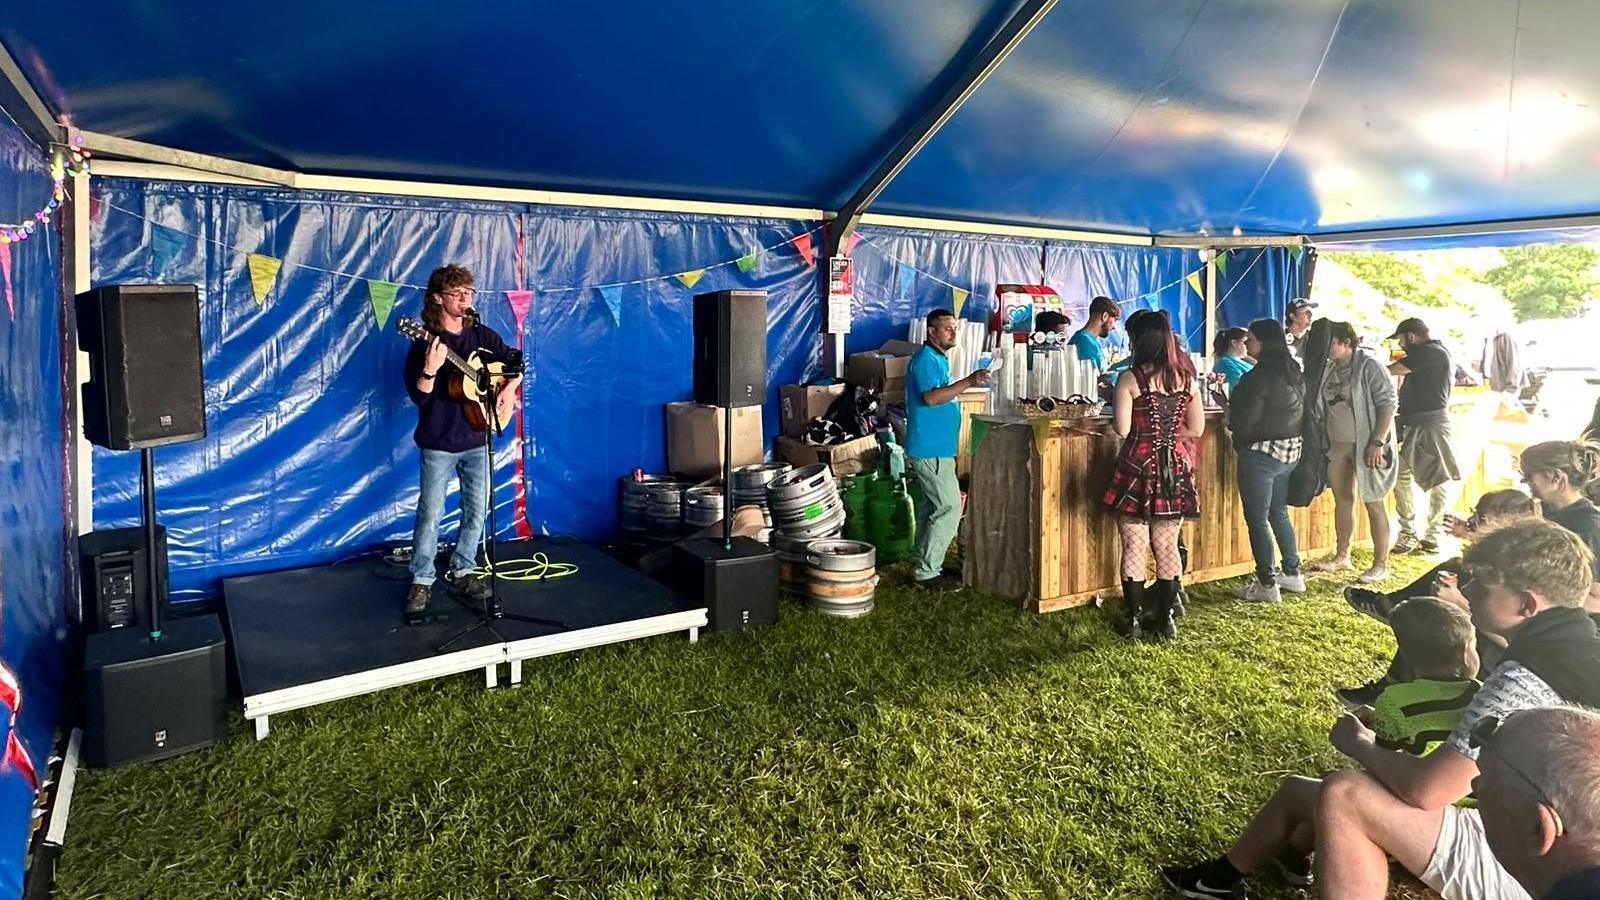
447, 440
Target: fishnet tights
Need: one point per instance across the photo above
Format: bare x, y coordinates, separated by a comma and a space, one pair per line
1140, 538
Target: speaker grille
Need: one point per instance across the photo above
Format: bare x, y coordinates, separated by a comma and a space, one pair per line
147, 385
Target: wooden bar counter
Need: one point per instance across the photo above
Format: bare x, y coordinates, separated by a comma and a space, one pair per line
1036, 530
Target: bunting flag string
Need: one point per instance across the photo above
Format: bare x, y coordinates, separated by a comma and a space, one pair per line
263, 275
688, 279
381, 293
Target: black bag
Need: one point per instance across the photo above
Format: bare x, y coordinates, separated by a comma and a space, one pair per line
1310, 477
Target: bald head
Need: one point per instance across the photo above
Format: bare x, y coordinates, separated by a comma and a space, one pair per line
1539, 794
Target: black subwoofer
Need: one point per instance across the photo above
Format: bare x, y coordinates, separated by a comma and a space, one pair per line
146, 384
730, 348
738, 584
150, 699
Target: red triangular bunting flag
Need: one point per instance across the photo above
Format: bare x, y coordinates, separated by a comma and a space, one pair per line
803, 244
5, 269
17, 756
520, 302
850, 245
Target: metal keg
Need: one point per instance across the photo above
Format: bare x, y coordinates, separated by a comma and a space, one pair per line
664, 511
841, 578
791, 564
635, 500
806, 503
750, 483
702, 507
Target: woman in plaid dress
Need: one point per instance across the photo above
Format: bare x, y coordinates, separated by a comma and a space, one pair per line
1157, 409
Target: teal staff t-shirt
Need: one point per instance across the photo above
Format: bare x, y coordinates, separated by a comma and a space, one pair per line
1232, 368
932, 432
1089, 348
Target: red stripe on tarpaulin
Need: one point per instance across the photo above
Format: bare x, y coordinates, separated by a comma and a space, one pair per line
519, 300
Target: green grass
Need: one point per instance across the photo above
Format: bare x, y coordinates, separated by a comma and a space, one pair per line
941, 747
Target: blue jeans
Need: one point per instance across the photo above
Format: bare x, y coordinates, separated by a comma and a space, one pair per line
1264, 488
472, 469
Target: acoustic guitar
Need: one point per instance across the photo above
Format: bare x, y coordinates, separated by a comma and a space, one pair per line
463, 383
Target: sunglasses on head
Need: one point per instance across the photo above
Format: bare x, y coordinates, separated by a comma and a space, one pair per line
1479, 737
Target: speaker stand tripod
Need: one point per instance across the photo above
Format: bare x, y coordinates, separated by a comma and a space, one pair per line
493, 611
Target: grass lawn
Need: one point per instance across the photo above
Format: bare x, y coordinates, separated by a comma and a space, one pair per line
941, 747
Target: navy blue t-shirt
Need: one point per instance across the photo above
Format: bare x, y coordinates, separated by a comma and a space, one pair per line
441, 422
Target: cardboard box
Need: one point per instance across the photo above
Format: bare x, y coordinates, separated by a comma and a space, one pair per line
882, 370
694, 438
800, 403
848, 458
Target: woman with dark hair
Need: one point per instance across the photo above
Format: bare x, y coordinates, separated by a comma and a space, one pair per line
1356, 404
1265, 415
1156, 408
1564, 476
1229, 355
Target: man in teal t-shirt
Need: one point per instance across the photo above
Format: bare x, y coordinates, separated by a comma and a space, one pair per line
933, 431
1103, 316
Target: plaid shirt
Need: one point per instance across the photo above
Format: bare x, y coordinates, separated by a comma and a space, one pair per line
1286, 451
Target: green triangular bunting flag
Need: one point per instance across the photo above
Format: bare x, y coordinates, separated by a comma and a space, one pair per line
1222, 262
382, 295
747, 262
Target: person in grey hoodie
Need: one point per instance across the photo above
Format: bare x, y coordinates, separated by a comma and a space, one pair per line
1357, 402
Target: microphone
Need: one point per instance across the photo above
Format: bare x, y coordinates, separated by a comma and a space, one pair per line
470, 313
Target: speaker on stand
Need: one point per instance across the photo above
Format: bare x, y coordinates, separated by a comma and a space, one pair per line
148, 694
736, 578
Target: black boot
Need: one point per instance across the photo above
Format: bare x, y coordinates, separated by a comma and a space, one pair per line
1133, 602
1157, 620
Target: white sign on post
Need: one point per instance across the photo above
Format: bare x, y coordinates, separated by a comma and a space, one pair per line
841, 294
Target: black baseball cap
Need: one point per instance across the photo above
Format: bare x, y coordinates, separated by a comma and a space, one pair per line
1409, 326
1298, 304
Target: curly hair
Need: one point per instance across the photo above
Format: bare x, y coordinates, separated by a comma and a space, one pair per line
444, 278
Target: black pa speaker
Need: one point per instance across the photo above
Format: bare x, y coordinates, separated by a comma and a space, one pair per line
739, 586
146, 387
730, 348
116, 580
146, 700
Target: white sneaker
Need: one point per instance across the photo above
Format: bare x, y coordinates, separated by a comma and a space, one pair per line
1374, 575
1335, 564
1256, 592
1294, 584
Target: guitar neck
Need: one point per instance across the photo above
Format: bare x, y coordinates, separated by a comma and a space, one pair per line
456, 360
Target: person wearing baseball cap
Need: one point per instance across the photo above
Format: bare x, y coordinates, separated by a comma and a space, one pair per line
1296, 322
1427, 461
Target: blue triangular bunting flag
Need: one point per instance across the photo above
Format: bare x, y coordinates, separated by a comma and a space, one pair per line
613, 298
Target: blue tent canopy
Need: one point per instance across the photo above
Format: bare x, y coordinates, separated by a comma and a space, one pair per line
1145, 116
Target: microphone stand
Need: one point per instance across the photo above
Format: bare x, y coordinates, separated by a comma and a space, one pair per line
493, 611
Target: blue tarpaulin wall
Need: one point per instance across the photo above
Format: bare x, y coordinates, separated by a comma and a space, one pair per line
309, 457
905, 274
33, 489
1259, 283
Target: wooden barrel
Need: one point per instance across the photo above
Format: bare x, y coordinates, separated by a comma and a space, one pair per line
841, 578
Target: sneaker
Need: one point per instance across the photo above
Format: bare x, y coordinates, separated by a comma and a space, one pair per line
1294, 584
1365, 695
1429, 547
939, 584
1369, 603
1374, 575
417, 598
1191, 882
1295, 867
468, 585
1336, 564
1256, 592
1406, 545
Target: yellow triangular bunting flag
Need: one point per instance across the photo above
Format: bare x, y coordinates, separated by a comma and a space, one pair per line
958, 298
690, 279
263, 274
1194, 282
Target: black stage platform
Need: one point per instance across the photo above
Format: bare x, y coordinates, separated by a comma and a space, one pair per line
308, 636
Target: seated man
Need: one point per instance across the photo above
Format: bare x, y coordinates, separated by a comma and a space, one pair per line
1410, 716
1494, 510
1539, 799
1527, 583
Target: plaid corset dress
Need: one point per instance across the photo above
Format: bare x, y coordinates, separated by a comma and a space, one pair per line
1154, 476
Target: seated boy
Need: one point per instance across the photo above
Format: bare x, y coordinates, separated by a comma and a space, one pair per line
1495, 509
1415, 716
